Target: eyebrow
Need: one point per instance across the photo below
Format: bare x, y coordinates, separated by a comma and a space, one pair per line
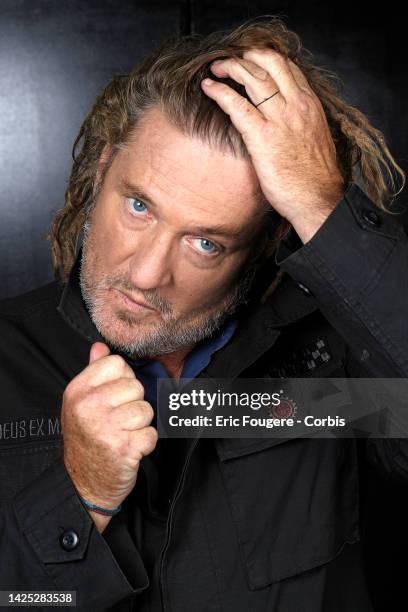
215, 230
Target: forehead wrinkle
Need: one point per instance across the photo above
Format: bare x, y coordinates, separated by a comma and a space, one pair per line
223, 198
193, 186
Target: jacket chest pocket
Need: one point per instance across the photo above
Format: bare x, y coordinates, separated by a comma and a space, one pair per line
21, 463
294, 503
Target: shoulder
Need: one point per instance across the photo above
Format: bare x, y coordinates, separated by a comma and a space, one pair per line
36, 301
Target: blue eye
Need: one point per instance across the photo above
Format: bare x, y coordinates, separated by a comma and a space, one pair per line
136, 206
206, 246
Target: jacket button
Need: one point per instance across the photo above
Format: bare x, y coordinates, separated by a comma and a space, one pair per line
69, 540
372, 217
304, 289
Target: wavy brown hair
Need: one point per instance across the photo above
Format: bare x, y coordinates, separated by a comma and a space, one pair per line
169, 79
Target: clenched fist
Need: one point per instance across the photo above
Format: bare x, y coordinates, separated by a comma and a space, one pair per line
106, 430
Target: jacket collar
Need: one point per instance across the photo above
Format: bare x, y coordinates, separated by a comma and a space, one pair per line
259, 324
72, 307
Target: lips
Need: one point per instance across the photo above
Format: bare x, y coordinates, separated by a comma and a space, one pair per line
134, 304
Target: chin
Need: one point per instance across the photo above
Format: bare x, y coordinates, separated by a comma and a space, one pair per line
121, 332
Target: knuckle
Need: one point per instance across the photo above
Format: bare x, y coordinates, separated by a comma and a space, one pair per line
92, 399
229, 62
70, 391
303, 103
276, 57
297, 71
117, 362
117, 446
241, 104
150, 438
134, 386
139, 388
144, 411
316, 103
126, 370
110, 437
262, 75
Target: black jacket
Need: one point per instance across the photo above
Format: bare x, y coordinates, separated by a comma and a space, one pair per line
249, 524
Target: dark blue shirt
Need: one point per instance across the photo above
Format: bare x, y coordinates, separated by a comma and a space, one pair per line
148, 371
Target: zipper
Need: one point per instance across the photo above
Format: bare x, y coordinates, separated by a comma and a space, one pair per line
176, 496
170, 517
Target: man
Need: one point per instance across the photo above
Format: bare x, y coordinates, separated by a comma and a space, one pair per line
194, 182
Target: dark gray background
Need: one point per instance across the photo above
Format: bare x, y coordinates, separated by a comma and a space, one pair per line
55, 55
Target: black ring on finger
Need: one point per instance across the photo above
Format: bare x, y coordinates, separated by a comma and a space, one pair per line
274, 94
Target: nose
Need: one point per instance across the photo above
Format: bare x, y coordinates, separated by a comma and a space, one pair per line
150, 266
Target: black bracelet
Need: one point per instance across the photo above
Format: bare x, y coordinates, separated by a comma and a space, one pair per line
100, 509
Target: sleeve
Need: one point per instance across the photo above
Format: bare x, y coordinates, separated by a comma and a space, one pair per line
51, 543
356, 267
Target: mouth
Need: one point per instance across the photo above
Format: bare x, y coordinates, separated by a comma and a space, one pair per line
135, 305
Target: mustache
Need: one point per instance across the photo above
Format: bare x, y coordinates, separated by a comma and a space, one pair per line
150, 296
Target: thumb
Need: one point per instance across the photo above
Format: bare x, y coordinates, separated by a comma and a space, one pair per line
98, 350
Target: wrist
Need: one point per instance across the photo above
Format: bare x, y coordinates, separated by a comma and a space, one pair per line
306, 224
101, 521
309, 219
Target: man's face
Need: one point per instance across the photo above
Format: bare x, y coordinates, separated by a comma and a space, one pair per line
166, 242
